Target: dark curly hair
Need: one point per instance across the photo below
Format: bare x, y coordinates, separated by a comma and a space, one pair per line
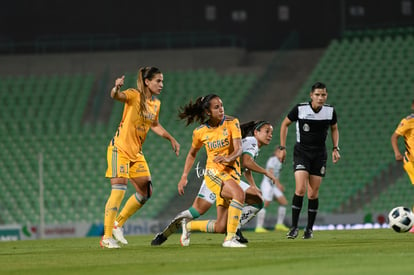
196, 111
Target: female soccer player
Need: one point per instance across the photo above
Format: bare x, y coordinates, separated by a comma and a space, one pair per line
405, 130
271, 191
313, 119
124, 154
255, 135
221, 137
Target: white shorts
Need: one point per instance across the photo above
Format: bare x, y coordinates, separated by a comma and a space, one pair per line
270, 191
206, 194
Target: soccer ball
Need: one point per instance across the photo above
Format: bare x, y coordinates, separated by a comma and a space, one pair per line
401, 219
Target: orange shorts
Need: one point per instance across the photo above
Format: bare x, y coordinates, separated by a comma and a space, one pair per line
119, 166
214, 182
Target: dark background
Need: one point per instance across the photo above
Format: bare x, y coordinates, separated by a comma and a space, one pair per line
23, 23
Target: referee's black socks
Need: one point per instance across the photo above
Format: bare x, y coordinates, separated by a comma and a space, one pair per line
297, 202
313, 205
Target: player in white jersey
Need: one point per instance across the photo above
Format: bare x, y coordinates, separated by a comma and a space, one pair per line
272, 192
261, 134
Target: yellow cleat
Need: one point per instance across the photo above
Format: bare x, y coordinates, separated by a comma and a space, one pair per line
260, 230
281, 227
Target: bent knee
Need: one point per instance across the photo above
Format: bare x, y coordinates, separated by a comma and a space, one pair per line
239, 196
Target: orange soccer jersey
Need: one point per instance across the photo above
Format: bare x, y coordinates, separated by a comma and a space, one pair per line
218, 141
406, 130
133, 128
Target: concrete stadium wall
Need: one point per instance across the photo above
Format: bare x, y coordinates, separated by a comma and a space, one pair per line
125, 61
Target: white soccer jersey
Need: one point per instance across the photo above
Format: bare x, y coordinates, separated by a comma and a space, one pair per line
275, 164
269, 190
250, 146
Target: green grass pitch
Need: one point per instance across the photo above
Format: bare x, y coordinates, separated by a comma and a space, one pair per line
379, 251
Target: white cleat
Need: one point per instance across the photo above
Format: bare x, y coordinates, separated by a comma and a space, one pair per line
185, 235
118, 233
233, 242
109, 243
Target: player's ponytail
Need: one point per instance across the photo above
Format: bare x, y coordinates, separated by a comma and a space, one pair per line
196, 111
145, 73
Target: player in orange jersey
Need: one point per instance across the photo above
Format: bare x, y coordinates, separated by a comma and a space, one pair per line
255, 134
406, 130
125, 158
222, 139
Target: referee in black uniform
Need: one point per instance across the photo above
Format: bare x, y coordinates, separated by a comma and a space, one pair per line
313, 119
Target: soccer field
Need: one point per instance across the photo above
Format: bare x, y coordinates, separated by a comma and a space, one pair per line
379, 251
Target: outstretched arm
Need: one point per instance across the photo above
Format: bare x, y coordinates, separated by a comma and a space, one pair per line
157, 128
249, 163
116, 90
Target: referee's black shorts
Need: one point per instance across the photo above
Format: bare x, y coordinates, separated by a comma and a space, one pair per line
309, 159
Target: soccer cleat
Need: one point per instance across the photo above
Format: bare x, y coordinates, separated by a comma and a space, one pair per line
240, 237
118, 233
260, 229
185, 235
233, 242
158, 240
109, 243
308, 234
293, 233
281, 227
411, 230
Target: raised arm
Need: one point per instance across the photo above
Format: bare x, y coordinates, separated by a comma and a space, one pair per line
116, 90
